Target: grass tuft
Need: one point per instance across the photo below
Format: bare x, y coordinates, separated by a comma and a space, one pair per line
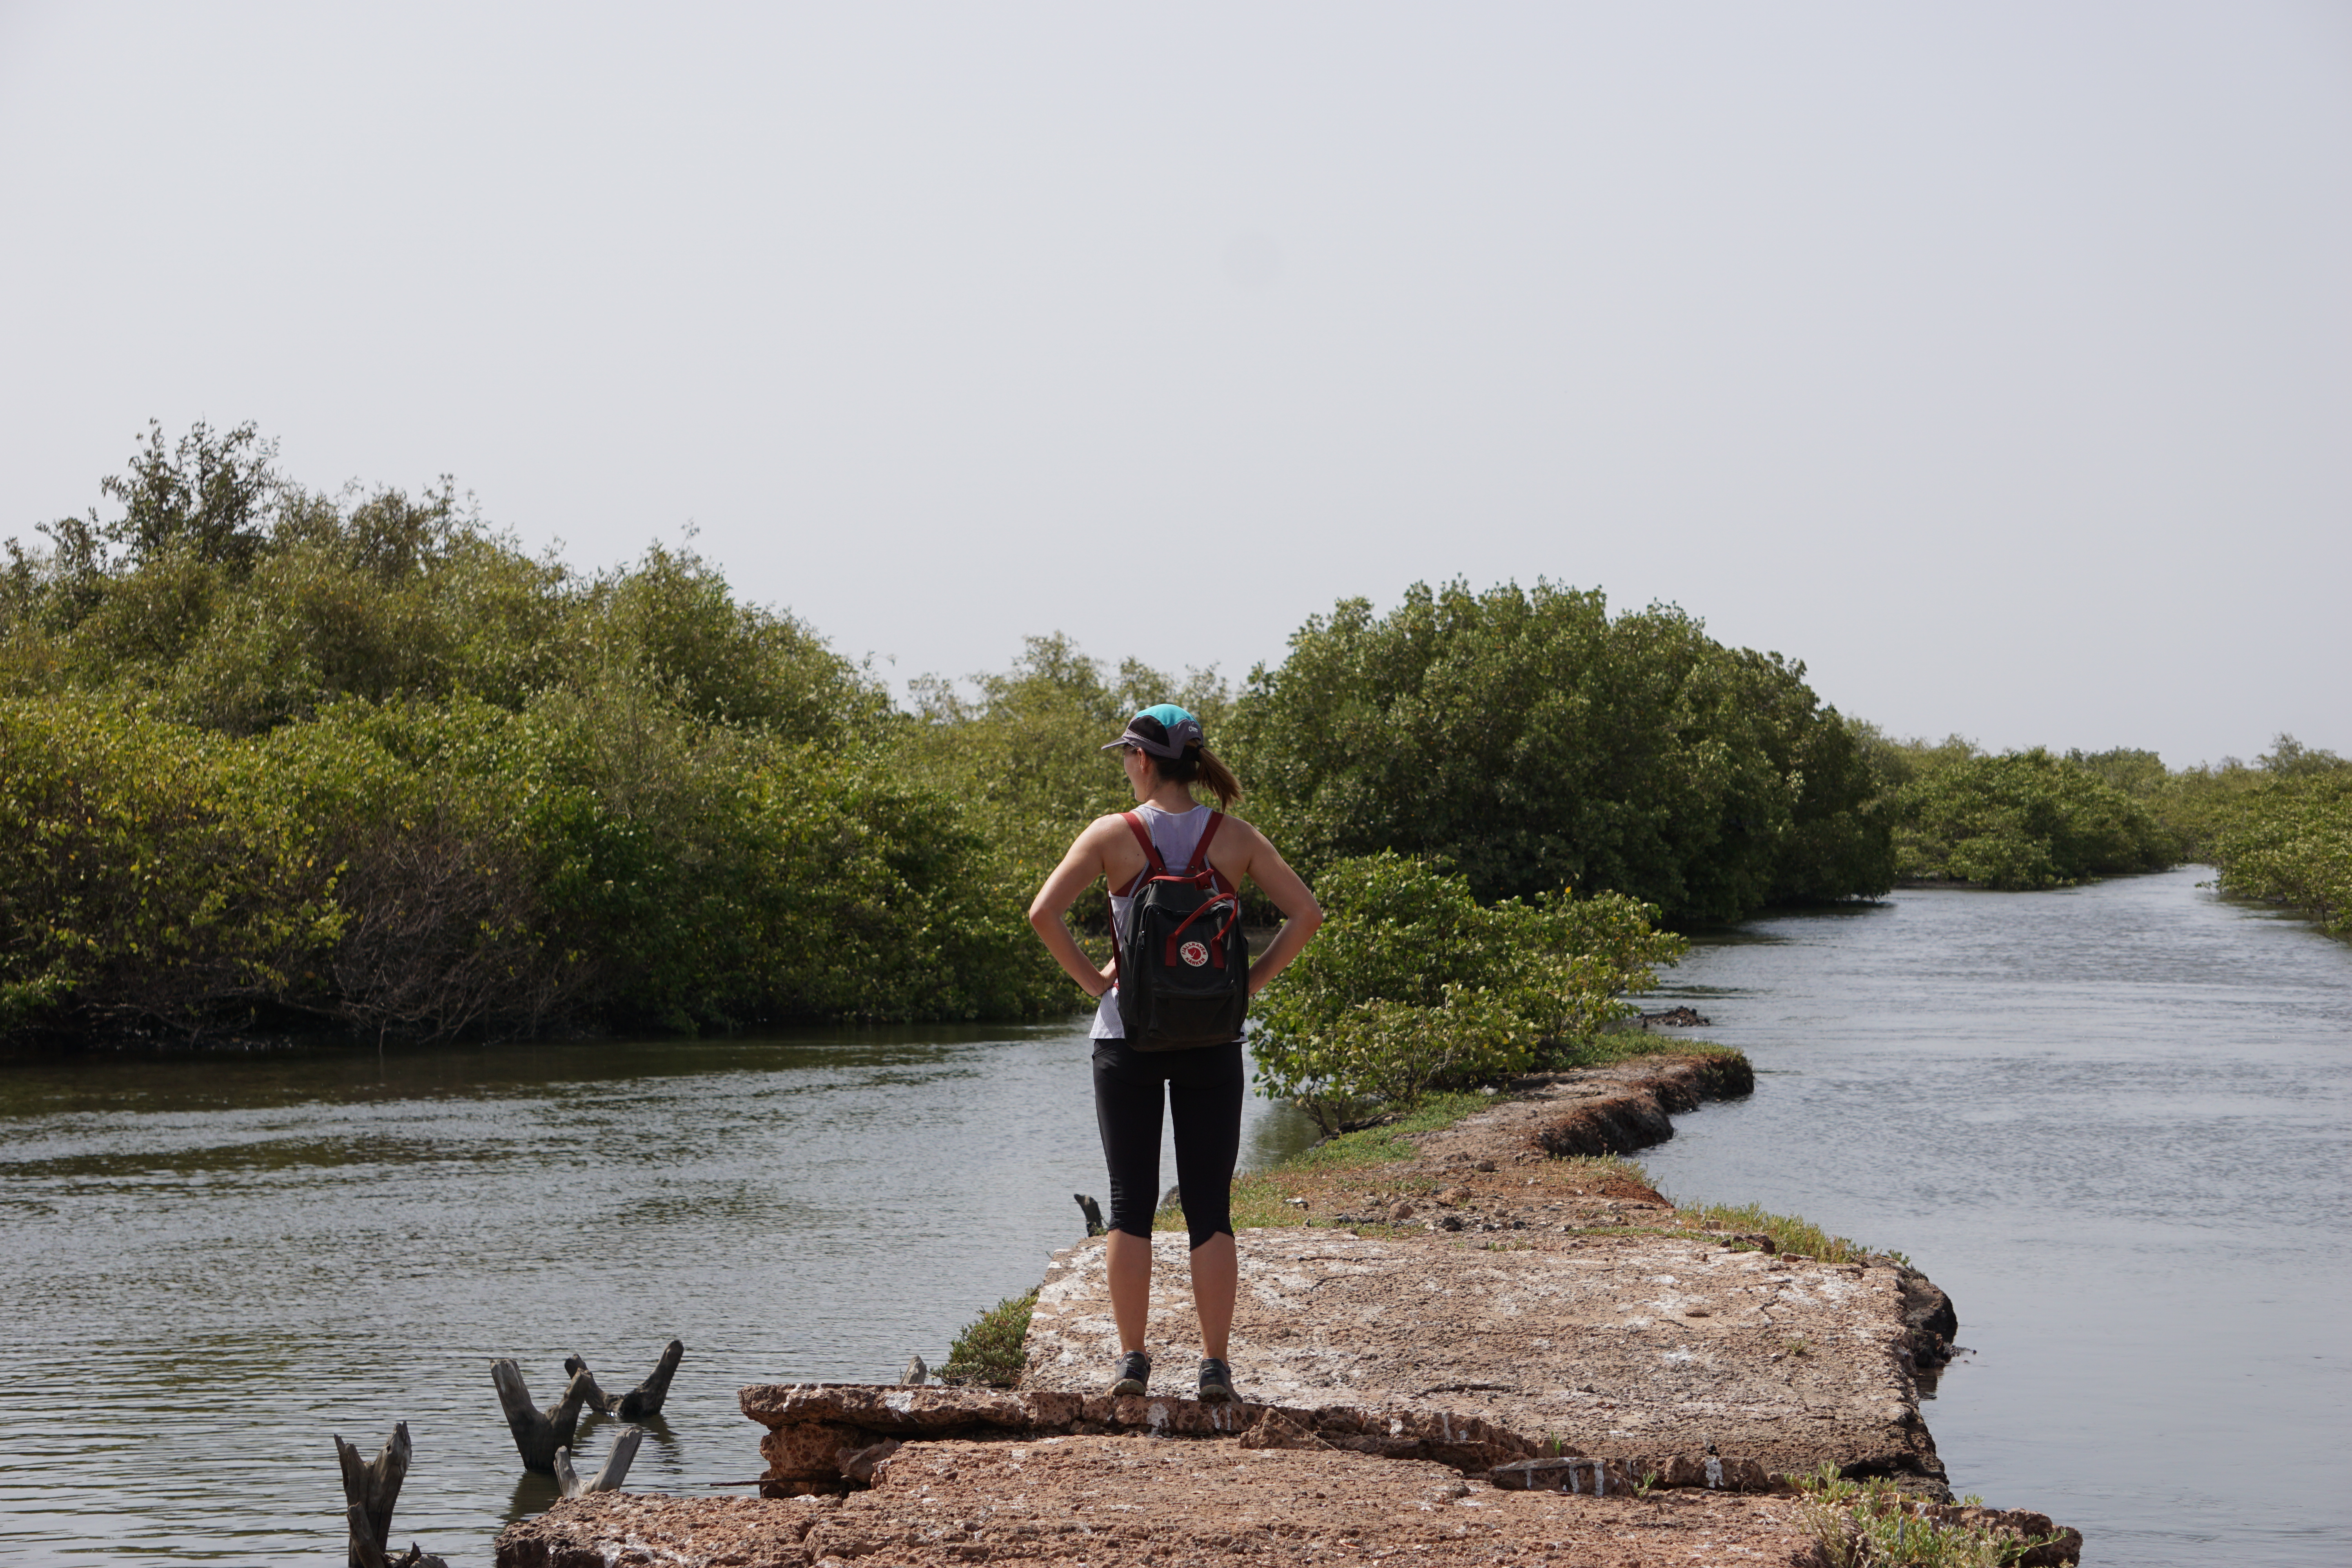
1790, 1235
1872, 1525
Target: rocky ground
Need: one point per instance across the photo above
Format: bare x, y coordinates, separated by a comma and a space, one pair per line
1628, 1346
1490, 1352
1112, 1502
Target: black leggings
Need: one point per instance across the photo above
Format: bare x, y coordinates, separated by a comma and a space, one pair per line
1204, 1095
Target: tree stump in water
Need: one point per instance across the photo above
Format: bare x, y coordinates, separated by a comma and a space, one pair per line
539, 1432
640, 1402
609, 1477
370, 1489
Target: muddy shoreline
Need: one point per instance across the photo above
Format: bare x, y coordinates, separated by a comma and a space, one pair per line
1501, 1344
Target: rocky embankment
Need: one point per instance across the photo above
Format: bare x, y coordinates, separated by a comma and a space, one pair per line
1483, 1353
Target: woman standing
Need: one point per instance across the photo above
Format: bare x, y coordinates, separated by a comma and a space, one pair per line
1164, 755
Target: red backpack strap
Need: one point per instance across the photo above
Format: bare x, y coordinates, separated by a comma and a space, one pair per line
1143, 836
1153, 865
1201, 854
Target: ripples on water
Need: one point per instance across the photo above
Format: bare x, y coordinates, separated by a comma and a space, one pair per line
2112, 1121
2115, 1123
217, 1262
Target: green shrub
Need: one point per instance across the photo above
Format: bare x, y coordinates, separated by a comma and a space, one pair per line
1412, 985
991, 1349
273, 755
429, 869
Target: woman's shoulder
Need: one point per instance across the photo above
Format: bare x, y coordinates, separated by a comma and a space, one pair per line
1237, 830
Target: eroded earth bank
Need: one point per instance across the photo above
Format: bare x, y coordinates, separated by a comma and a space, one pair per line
1494, 1350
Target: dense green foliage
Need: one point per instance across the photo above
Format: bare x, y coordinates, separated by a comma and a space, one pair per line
1533, 742
1413, 985
267, 755
2024, 819
2288, 836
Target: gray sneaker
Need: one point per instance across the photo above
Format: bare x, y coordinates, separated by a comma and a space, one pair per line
1134, 1374
1216, 1382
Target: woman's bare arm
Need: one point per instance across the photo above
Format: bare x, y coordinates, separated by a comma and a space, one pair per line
1300, 913
1079, 869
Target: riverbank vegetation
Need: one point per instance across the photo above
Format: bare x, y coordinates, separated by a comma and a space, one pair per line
1412, 985
2288, 838
1529, 742
2020, 820
276, 756
272, 758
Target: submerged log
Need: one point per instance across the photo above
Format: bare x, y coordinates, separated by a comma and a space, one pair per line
640, 1402
538, 1433
371, 1486
610, 1475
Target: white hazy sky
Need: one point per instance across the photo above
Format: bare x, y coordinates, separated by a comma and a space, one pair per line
1996, 360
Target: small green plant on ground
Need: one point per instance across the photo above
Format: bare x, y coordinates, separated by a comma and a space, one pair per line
1788, 1233
990, 1351
1872, 1525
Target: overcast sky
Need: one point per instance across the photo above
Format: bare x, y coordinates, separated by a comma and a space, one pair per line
1995, 360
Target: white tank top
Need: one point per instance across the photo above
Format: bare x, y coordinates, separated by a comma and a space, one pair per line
1175, 833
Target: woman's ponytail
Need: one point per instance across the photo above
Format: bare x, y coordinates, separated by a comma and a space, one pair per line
1200, 765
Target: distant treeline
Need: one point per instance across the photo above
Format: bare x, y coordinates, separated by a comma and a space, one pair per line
270, 755
2279, 828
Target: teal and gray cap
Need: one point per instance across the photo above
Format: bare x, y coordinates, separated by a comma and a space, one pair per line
1163, 731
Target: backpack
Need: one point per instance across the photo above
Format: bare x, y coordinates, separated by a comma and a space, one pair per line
1183, 967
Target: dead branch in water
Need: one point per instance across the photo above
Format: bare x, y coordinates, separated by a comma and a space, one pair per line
640, 1402
370, 1489
538, 1433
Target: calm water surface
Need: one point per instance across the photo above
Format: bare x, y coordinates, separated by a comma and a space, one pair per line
215, 1263
2113, 1123
2116, 1124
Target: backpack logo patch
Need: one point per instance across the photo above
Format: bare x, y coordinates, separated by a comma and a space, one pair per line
1194, 954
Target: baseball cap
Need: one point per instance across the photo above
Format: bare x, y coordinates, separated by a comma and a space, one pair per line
1163, 729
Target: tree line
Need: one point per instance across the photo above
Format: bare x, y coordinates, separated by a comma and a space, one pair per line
272, 756
2279, 828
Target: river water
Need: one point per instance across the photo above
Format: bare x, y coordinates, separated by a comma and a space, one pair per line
2114, 1124
2112, 1121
